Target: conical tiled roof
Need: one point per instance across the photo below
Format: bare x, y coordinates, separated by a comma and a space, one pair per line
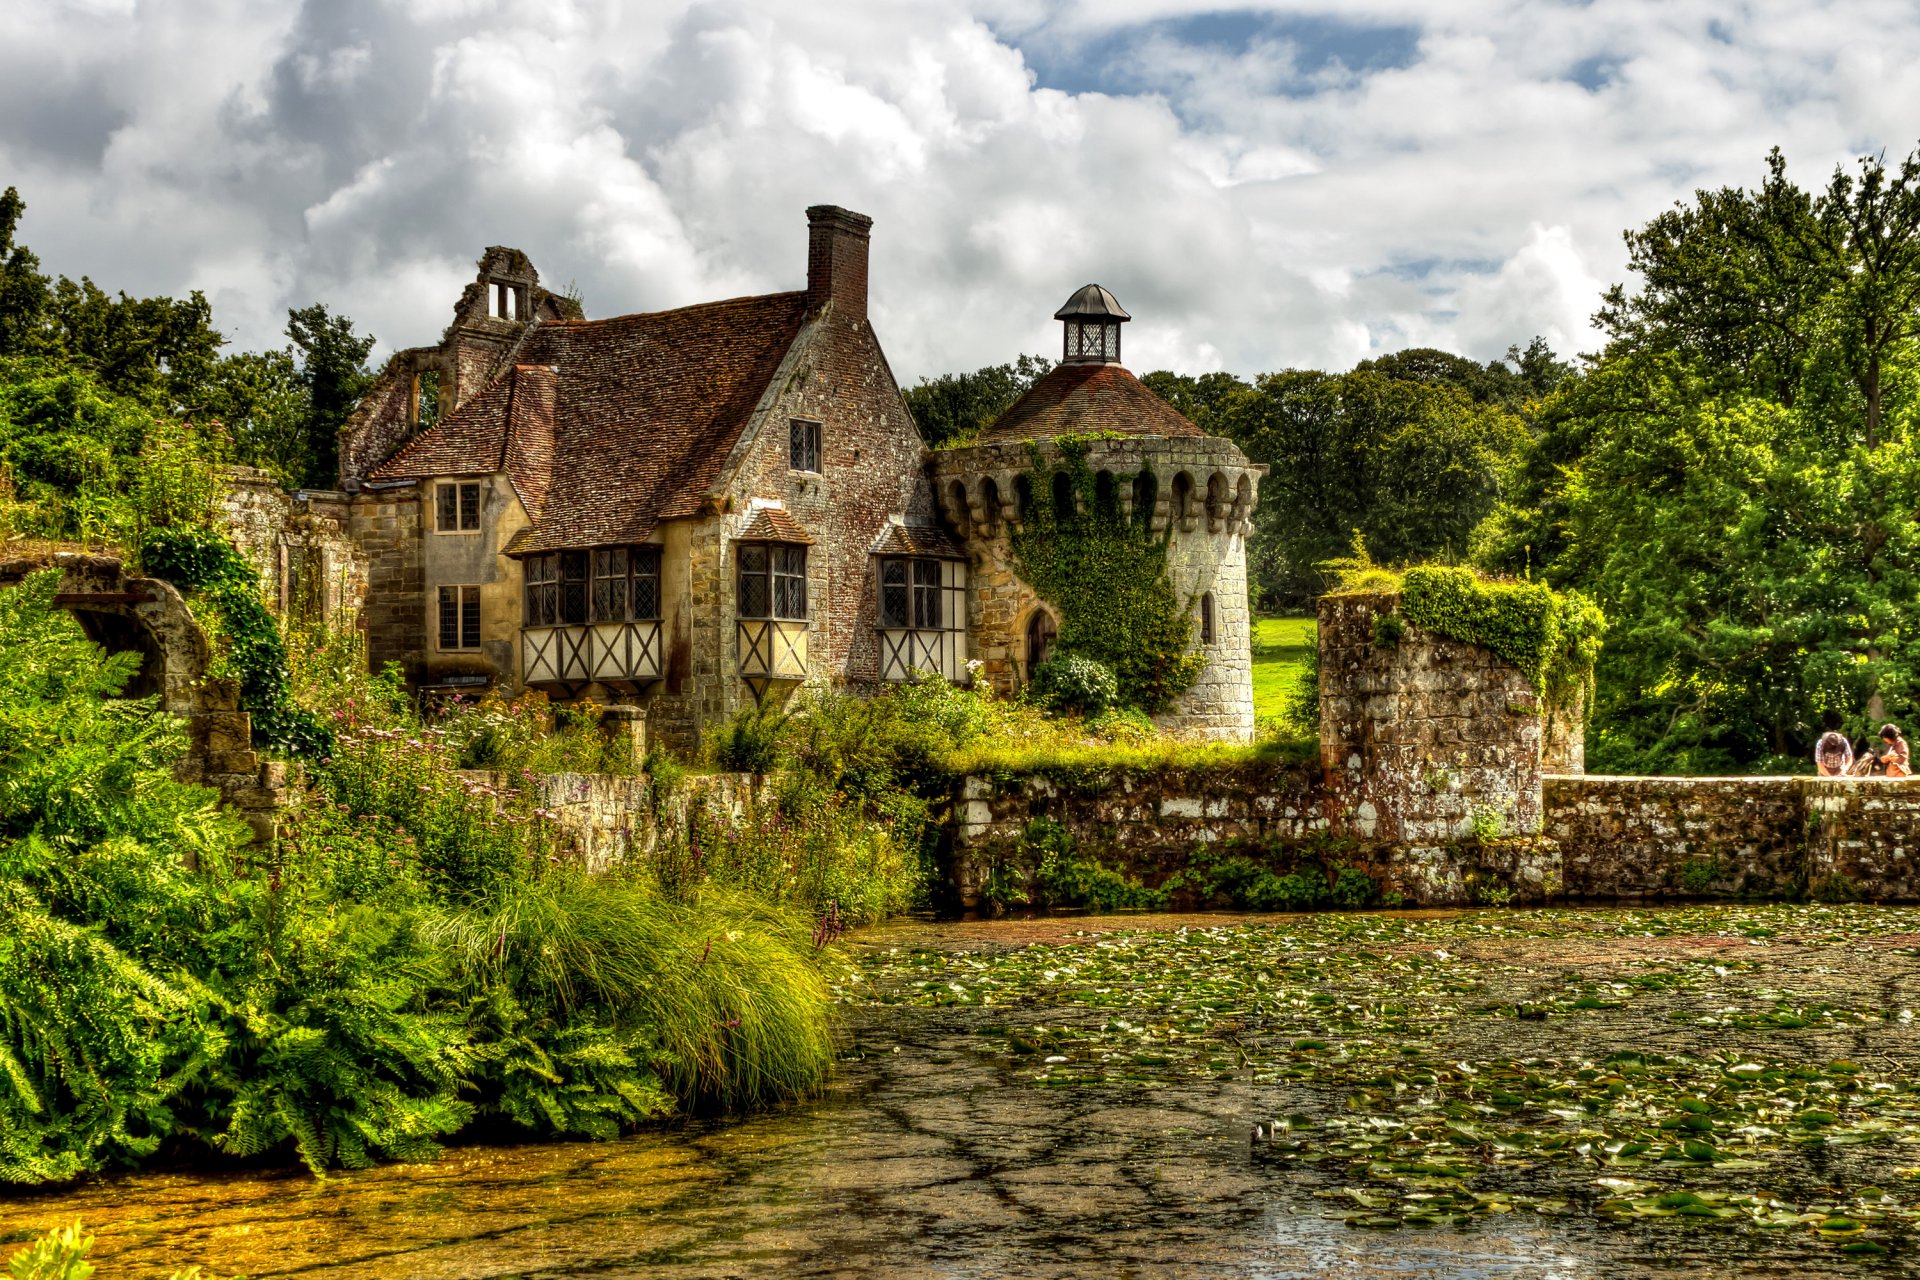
1084, 399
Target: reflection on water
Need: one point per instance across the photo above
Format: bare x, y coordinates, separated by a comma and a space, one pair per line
930, 1157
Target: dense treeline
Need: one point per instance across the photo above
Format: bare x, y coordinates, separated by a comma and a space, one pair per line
83, 372
1732, 477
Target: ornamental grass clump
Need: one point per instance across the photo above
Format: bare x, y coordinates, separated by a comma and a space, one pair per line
412, 956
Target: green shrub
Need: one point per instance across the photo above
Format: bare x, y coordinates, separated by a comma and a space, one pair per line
1065, 879
1071, 682
749, 742
408, 956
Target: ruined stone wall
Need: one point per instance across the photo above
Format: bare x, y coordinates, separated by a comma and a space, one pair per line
299, 543
1656, 837
1752, 836
1146, 822
148, 616
1863, 837
385, 525
1425, 741
611, 819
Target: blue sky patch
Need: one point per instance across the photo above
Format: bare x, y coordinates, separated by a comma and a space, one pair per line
1109, 62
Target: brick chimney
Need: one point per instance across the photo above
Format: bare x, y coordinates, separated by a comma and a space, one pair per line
837, 260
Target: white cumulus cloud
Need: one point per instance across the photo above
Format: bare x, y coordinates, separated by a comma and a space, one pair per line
1282, 184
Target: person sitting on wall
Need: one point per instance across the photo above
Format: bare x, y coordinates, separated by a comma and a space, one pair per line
1833, 754
1894, 761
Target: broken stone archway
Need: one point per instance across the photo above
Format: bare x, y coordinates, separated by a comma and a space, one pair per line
122, 613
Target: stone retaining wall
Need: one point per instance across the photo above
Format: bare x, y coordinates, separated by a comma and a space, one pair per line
611, 818
1753, 836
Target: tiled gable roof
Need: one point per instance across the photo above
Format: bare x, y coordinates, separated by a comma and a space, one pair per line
916, 540
620, 423
774, 524
1082, 399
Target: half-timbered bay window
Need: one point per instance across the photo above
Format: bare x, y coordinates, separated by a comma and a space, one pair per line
771, 603
592, 616
626, 584
910, 594
773, 581
923, 612
556, 589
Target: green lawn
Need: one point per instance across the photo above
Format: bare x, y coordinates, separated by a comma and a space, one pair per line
1279, 651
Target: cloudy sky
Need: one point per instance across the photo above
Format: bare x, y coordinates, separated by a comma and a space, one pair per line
1285, 184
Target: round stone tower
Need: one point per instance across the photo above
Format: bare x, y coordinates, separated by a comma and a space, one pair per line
1150, 466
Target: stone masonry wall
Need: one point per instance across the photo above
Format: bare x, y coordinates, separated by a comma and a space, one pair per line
298, 542
385, 525
612, 818
1652, 837
1655, 837
1425, 741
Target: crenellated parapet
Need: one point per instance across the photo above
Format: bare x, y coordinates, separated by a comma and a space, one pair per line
1187, 484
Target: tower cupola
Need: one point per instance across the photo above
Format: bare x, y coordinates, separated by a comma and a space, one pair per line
1093, 318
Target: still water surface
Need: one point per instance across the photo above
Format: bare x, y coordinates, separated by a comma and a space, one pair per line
931, 1156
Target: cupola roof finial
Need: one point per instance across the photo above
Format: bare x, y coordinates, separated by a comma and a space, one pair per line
1092, 319
1092, 302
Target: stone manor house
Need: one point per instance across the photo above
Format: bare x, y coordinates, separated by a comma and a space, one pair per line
681, 511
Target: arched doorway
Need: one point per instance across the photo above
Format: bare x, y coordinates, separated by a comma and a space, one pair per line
1042, 631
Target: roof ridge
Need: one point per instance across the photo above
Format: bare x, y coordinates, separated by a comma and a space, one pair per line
676, 311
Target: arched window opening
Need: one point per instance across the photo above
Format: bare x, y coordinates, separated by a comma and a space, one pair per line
1106, 502
1216, 499
1146, 492
1063, 506
1206, 618
1023, 497
957, 502
1042, 631
1243, 499
989, 504
1182, 496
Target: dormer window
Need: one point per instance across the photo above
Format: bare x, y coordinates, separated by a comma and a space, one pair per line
1092, 318
507, 301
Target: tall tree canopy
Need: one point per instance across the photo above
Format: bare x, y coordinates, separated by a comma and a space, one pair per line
1735, 481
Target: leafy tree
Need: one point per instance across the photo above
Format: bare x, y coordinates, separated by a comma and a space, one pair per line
333, 368
1203, 399
1785, 293
1414, 466
159, 350
1734, 480
952, 408
1524, 376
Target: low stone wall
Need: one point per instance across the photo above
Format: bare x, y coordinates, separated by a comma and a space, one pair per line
1655, 837
611, 818
1146, 823
1751, 837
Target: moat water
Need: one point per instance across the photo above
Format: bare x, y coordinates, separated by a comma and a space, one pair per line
937, 1152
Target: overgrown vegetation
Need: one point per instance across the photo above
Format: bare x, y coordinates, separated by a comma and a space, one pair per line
1108, 577
413, 956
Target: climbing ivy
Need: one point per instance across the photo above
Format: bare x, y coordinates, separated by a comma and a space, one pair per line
1553, 638
205, 563
1107, 576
